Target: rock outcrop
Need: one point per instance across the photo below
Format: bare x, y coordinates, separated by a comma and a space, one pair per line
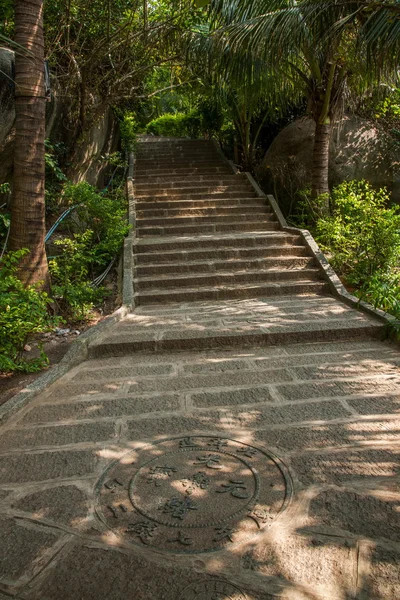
359, 150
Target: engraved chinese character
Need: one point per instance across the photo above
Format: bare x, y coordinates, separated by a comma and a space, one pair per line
144, 530
217, 443
222, 533
260, 515
114, 509
182, 539
211, 461
247, 451
112, 485
199, 480
157, 474
236, 488
188, 442
178, 508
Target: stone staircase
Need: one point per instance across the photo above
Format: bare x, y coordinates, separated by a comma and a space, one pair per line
204, 234
213, 268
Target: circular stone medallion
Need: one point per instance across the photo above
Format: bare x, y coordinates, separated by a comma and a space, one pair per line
193, 494
212, 590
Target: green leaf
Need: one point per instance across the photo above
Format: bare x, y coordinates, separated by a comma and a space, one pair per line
202, 3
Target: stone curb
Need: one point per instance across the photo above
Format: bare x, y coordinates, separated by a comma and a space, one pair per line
335, 285
231, 164
79, 350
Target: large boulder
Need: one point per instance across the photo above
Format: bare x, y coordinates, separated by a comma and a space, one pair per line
359, 150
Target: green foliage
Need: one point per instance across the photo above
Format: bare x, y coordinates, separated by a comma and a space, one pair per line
128, 129
362, 235
308, 210
99, 226
23, 313
176, 125
382, 290
55, 178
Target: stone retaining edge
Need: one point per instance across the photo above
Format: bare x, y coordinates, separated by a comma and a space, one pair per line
231, 164
79, 350
335, 285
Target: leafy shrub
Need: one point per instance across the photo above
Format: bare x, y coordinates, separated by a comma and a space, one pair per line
382, 290
363, 234
176, 125
99, 226
23, 313
128, 130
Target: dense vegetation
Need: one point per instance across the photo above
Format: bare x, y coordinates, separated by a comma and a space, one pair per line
237, 70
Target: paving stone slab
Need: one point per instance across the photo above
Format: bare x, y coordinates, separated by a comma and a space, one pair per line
305, 391
211, 380
102, 408
308, 566
264, 417
106, 574
69, 390
383, 580
57, 436
375, 405
325, 436
65, 504
22, 468
348, 370
364, 515
233, 397
22, 550
122, 372
148, 428
347, 466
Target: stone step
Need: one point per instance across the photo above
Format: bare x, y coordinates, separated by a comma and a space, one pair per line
168, 220
171, 180
221, 254
225, 278
217, 242
188, 191
305, 286
200, 181
197, 196
205, 161
122, 345
184, 170
210, 228
143, 205
216, 265
189, 211
181, 156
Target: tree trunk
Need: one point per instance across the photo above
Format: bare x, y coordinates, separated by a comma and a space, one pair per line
28, 203
320, 167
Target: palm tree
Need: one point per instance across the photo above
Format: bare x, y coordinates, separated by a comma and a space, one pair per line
28, 207
311, 45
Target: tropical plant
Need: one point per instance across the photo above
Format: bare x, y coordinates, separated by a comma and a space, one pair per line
309, 47
24, 313
363, 234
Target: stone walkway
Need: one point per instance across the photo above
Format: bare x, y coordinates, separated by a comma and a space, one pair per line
230, 447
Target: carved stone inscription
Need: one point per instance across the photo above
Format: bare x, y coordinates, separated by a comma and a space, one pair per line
212, 590
193, 494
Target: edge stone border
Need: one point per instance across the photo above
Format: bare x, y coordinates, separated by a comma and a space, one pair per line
79, 350
335, 285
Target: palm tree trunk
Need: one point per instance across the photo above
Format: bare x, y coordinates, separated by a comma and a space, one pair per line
320, 167
28, 204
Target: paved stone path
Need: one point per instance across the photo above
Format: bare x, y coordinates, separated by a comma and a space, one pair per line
234, 447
